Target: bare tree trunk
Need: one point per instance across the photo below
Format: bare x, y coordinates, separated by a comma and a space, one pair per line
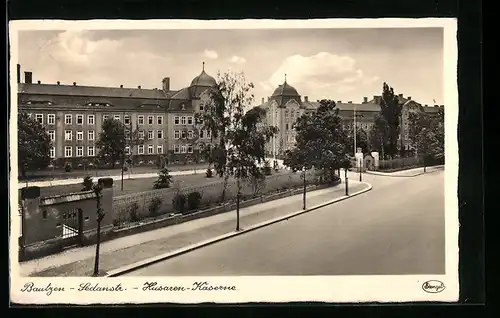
224, 188
238, 204
97, 247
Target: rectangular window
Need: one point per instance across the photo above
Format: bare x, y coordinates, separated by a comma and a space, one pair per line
150, 150
68, 135
126, 119
183, 149
286, 126
183, 134
183, 120
209, 134
79, 135
176, 149
140, 134
190, 148
116, 117
127, 150
140, 120
140, 149
79, 119
190, 120
176, 120
68, 119
159, 120
51, 119
68, 151
159, 149
52, 152
52, 135
39, 118
159, 134
202, 134
91, 135
150, 120
90, 151
150, 135
201, 107
91, 120
177, 134
127, 134
79, 151
105, 117
190, 134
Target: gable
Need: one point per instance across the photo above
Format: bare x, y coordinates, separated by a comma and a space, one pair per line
292, 104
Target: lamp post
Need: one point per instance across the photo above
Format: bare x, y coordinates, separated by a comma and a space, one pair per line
305, 184
346, 182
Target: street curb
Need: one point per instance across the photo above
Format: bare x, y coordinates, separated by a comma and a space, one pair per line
393, 175
144, 263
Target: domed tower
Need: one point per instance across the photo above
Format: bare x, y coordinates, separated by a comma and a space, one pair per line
201, 83
284, 93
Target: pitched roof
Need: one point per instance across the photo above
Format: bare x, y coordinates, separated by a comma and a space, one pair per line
91, 91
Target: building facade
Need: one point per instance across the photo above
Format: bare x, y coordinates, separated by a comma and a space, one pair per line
73, 117
285, 105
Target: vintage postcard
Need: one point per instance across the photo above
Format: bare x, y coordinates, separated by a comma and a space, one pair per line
184, 161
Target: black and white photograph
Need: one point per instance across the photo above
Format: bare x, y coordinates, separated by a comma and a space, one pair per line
196, 160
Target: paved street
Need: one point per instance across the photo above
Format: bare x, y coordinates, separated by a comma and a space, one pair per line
397, 228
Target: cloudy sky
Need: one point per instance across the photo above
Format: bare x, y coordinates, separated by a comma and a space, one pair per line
340, 64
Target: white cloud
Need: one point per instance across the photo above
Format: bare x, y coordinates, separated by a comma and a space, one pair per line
211, 54
323, 75
237, 60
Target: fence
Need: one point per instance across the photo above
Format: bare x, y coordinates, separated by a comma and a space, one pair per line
137, 206
400, 163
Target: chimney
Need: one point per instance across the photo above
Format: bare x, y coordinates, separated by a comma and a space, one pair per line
166, 84
350, 102
306, 98
19, 73
442, 106
58, 83
409, 97
262, 100
339, 102
365, 100
39, 82
139, 87
121, 86
28, 77
74, 83
400, 95
426, 105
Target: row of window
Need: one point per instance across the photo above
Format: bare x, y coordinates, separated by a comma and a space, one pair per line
79, 150
68, 151
79, 119
183, 120
182, 134
68, 134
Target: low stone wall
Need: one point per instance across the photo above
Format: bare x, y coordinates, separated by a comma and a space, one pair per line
54, 246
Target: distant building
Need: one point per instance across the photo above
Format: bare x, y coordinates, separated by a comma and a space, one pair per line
285, 105
73, 116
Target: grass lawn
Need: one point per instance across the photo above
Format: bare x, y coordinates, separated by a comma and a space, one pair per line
133, 185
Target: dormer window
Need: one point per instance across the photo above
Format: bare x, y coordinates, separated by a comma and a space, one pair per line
183, 106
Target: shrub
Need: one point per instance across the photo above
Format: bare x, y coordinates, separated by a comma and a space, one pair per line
193, 200
209, 173
179, 202
134, 212
154, 206
267, 168
164, 179
87, 183
68, 168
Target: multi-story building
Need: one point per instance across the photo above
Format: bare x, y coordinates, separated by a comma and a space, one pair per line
73, 117
285, 105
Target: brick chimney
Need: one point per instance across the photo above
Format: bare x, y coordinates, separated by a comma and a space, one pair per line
19, 73
400, 95
121, 86
74, 83
365, 100
339, 102
28, 77
58, 83
262, 101
166, 84
39, 82
409, 97
139, 87
306, 98
350, 102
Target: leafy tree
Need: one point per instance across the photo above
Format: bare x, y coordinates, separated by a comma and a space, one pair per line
321, 141
426, 134
361, 139
239, 138
132, 141
390, 109
258, 182
164, 179
111, 143
87, 183
379, 135
33, 145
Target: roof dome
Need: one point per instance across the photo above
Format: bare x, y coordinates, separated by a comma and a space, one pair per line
203, 79
285, 90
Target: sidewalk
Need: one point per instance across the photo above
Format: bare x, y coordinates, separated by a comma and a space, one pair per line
408, 173
127, 250
126, 176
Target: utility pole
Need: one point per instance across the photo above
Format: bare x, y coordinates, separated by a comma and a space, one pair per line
346, 182
305, 185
